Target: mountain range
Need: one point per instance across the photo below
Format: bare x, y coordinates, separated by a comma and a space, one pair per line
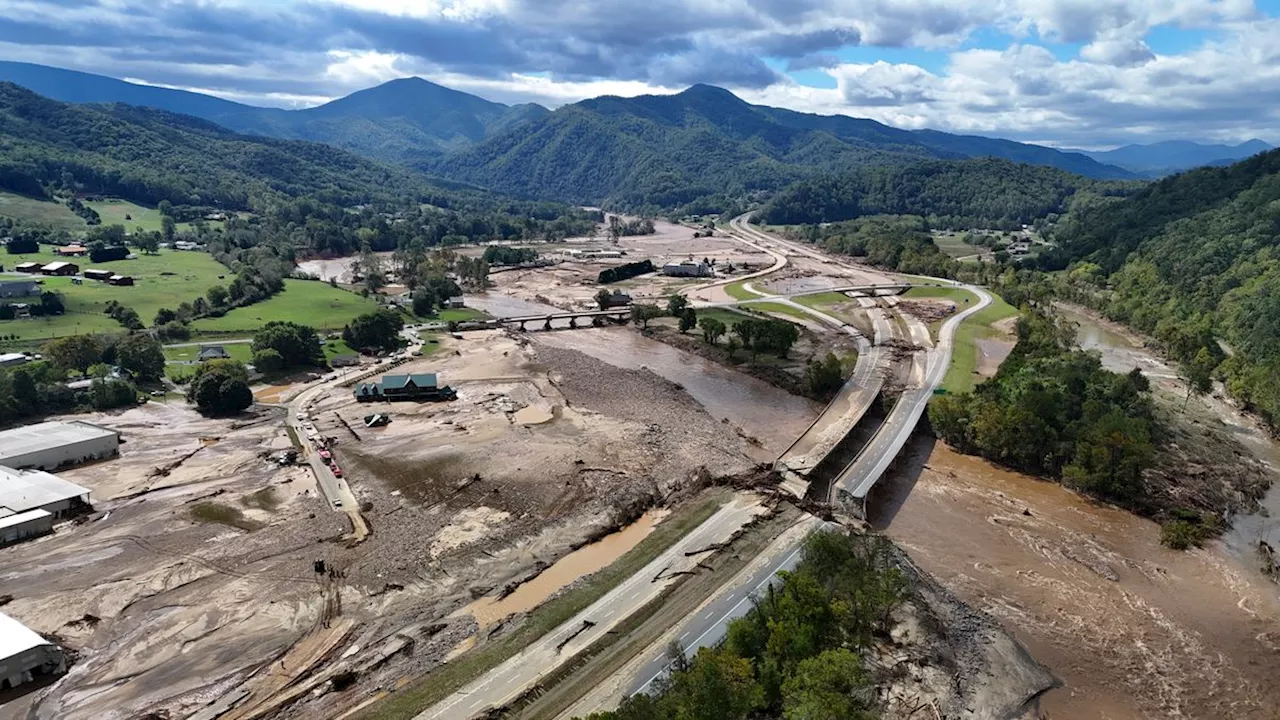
409, 120
1171, 156
648, 150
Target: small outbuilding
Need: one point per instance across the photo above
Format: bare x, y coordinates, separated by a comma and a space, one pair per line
687, 269
60, 268
213, 352
18, 286
120, 280
98, 274
345, 361
72, 250
27, 267
456, 302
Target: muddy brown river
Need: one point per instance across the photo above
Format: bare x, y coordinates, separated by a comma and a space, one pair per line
1133, 629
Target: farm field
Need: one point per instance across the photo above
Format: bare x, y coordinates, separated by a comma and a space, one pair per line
47, 212
306, 302
115, 212
163, 280
954, 246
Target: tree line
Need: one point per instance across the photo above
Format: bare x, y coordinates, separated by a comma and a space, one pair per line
799, 653
1192, 261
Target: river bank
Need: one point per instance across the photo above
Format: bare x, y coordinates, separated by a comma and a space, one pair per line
1134, 630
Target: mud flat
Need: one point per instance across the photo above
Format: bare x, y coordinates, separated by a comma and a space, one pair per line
1134, 630
772, 416
158, 603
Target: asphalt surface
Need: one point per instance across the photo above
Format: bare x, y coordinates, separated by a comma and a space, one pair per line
862, 474
523, 670
708, 626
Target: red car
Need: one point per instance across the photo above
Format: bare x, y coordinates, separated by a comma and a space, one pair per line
337, 471
325, 455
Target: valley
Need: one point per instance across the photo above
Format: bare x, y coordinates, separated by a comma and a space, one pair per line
417, 404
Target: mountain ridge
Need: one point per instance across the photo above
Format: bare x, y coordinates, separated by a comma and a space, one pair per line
427, 121
1172, 156
707, 141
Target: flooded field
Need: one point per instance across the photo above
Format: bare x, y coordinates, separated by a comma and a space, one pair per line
487, 611
771, 416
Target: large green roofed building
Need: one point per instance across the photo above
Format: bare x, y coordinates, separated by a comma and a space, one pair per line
417, 386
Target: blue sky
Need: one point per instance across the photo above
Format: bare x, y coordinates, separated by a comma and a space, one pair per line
1081, 73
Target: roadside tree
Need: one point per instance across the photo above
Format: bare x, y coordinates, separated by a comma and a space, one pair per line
712, 329
688, 320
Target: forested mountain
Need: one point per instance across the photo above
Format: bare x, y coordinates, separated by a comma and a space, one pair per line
986, 192
663, 151
409, 120
1192, 259
150, 155
1164, 158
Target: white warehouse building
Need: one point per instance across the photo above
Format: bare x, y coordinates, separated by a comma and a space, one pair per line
25, 655
53, 445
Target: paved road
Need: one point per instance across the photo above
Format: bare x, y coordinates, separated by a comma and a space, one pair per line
705, 628
861, 475
521, 672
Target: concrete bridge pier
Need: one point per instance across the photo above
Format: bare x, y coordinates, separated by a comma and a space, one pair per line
547, 324
573, 322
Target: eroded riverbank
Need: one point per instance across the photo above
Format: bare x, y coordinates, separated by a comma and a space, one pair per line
1135, 630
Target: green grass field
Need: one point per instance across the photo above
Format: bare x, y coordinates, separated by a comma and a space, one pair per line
133, 216
457, 315
242, 352
823, 299
306, 302
163, 280
779, 308
955, 246
964, 356
728, 317
47, 212
737, 291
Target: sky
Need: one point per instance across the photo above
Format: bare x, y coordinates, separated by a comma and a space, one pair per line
1069, 73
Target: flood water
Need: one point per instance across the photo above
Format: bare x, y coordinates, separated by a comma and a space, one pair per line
1134, 630
771, 415
504, 306
581, 562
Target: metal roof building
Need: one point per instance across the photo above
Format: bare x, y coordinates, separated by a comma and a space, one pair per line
51, 445
24, 655
25, 490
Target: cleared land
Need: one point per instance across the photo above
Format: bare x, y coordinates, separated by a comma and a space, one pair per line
953, 245
963, 374
161, 281
133, 216
47, 212
307, 302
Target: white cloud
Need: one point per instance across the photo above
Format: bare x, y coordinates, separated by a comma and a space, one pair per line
286, 52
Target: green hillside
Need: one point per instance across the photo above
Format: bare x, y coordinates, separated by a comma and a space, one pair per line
1193, 259
987, 193
666, 151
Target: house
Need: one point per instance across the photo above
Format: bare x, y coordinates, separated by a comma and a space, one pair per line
392, 388
344, 361
98, 274
617, 299
60, 268
213, 352
72, 251
18, 286
120, 280
27, 267
687, 268
455, 302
